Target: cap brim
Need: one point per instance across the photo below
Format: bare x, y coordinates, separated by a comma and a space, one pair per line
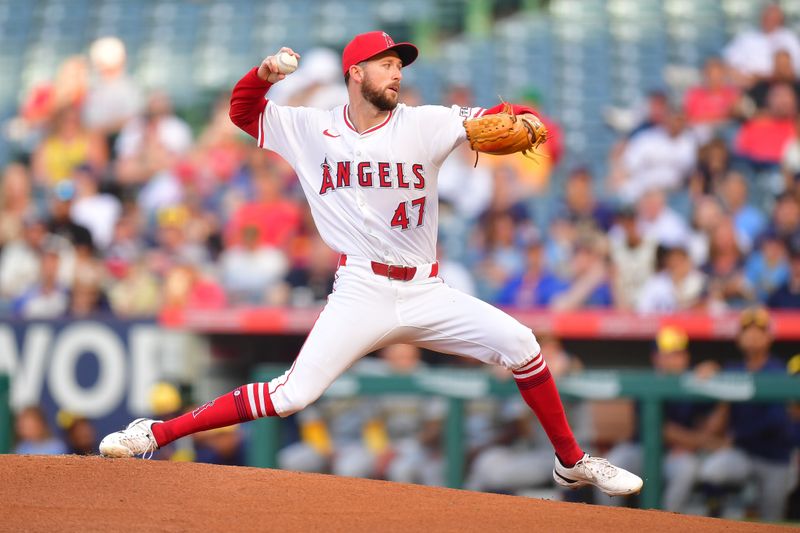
406, 51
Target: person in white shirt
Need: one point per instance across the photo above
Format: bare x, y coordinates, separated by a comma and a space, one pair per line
659, 222
97, 212
250, 271
659, 158
633, 258
678, 287
158, 123
750, 54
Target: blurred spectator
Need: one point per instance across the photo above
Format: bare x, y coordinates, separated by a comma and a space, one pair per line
61, 222
727, 285
310, 282
163, 188
749, 220
762, 139
219, 149
678, 287
659, 222
16, 201
158, 124
581, 204
149, 150
174, 247
656, 113
712, 102
534, 286
33, 435
45, 99
96, 211
498, 255
660, 158
633, 259
67, 146
786, 217
713, 164
113, 98
683, 430
559, 243
20, 259
782, 73
276, 218
81, 436
127, 244
759, 432
787, 295
137, 292
767, 267
251, 271
588, 283
187, 287
707, 215
750, 53
47, 298
790, 160
87, 298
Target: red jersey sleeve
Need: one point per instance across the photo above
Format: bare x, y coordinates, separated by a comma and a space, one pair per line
248, 102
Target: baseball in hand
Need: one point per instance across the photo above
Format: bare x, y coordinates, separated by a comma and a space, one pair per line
287, 63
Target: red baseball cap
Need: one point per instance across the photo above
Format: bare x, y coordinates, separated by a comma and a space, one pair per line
366, 45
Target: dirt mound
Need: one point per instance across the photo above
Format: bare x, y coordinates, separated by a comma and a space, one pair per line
68, 493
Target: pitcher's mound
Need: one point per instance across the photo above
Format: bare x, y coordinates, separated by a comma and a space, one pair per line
69, 493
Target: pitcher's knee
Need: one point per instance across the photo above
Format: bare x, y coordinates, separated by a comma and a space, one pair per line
522, 348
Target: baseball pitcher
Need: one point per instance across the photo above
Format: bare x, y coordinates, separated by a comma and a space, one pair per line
369, 170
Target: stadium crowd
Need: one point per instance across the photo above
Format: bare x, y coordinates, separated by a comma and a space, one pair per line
115, 204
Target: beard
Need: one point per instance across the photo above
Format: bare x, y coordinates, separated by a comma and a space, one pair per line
384, 100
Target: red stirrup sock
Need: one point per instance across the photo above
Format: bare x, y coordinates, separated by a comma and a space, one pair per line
539, 391
243, 404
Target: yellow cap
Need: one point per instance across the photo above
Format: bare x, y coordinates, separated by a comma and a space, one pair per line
173, 216
164, 399
754, 316
793, 366
671, 339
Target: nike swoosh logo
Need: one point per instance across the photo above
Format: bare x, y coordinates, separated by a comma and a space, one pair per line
329, 134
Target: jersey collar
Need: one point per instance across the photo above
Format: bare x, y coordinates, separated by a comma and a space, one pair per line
370, 130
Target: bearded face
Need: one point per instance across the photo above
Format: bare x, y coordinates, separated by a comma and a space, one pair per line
382, 96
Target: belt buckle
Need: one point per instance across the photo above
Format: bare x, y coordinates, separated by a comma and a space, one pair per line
396, 272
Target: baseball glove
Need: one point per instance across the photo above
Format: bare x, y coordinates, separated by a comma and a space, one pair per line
505, 133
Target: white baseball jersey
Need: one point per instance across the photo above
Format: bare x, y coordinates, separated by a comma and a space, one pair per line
373, 197
372, 194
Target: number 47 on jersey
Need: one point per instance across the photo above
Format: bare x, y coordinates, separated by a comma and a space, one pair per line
400, 218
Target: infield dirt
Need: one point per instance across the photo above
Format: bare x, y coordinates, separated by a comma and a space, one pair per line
69, 493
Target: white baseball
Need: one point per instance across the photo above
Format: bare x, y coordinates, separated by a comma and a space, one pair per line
287, 63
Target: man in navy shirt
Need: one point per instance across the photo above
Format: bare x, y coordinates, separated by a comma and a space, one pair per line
760, 436
787, 296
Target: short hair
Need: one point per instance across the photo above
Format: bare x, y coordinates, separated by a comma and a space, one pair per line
347, 74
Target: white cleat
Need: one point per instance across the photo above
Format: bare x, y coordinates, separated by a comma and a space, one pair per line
599, 472
136, 439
